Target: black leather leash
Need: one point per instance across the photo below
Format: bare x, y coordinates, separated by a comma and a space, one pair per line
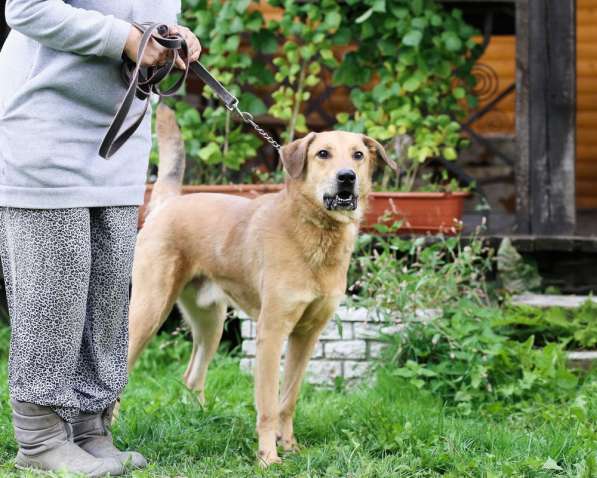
142, 82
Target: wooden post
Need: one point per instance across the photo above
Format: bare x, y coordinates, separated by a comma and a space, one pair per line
546, 116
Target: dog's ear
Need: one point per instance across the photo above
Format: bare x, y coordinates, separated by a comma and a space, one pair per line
294, 155
380, 151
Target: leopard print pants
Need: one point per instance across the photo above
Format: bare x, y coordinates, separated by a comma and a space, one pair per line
67, 274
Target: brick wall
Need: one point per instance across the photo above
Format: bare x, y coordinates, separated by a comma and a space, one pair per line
347, 347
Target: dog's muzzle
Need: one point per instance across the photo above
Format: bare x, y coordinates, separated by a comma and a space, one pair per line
345, 198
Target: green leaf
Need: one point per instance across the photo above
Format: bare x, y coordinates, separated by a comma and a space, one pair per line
419, 23
412, 84
463, 396
368, 31
459, 93
417, 6
450, 153
210, 152
333, 20
365, 16
327, 54
232, 43
264, 41
343, 117
399, 12
241, 5
412, 38
379, 6
260, 73
388, 47
254, 22
452, 42
342, 36
350, 73
251, 103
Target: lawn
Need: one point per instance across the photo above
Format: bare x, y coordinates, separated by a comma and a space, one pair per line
386, 429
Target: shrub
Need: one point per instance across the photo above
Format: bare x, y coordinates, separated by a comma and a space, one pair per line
465, 357
470, 352
399, 276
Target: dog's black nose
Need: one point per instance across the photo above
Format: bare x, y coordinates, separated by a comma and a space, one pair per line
346, 177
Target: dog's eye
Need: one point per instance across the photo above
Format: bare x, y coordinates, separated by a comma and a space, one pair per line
358, 155
323, 154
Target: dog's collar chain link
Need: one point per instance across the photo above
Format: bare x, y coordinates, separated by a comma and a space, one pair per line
142, 82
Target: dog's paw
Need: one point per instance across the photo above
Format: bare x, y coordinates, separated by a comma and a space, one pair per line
267, 458
201, 398
289, 445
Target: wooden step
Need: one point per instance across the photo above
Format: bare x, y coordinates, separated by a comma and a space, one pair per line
584, 359
551, 300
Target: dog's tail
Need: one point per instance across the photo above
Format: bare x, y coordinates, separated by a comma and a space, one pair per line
172, 159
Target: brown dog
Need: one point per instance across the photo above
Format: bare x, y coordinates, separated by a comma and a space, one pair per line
282, 258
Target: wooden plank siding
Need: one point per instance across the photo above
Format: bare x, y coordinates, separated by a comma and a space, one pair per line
586, 116
500, 56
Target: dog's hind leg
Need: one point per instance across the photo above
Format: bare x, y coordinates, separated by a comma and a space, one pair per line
207, 324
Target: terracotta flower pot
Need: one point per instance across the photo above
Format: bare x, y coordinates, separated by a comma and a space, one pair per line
419, 212
245, 190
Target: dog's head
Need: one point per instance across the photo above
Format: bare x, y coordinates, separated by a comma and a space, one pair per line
334, 169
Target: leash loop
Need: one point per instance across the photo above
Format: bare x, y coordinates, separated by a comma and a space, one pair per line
142, 82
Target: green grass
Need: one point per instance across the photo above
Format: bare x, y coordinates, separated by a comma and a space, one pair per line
388, 429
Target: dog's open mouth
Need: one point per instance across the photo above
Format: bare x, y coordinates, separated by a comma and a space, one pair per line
342, 200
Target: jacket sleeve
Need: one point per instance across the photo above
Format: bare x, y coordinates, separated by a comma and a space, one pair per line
63, 27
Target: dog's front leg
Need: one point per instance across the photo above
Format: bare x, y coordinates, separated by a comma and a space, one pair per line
301, 344
300, 349
273, 327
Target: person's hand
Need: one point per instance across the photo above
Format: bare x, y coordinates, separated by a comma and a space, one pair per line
154, 54
192, 42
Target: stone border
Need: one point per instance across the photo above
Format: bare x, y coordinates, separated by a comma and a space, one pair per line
347, 348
